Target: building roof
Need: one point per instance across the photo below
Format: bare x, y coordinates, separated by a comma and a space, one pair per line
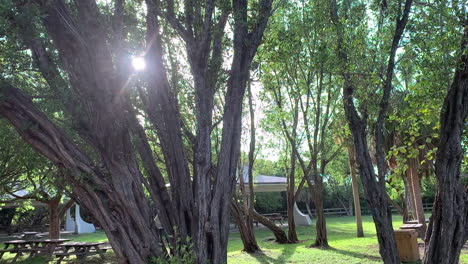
263, 179
264, 183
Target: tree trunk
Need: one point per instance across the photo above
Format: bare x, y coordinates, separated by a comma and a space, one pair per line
321, 239
242, 213
416, 195
109, 183
292, 235
355, 186
448, 227
279, 233
250, 198
54, 219
374, 190
247, 236
408, 201
122, 212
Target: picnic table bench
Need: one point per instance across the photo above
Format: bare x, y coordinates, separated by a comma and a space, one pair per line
82, 250
33, 247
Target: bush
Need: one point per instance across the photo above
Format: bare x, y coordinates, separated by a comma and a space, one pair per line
270, 202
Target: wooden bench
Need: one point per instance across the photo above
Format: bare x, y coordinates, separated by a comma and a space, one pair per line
104, 248
81, 250
19, 252
62, 255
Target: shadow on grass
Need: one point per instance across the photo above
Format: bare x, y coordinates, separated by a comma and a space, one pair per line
261, 257
362, 255
287, 250
354, 254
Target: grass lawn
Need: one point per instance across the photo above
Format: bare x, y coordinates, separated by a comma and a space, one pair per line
346, 248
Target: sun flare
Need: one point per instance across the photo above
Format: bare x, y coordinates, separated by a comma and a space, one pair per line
139, 63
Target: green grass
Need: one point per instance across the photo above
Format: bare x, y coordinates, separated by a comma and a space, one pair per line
345, 246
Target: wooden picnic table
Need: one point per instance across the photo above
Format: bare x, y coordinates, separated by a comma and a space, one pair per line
34, 247
29, 235
46, 246
81, 250
17, 245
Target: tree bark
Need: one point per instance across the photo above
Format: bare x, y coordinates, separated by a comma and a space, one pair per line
291, 196
279, 233
56, 214
114, 209
355, 186
109, 182
243, 213
416, 195
247, 236
448, 227
54, 219
321, 238
407, 201
250, 198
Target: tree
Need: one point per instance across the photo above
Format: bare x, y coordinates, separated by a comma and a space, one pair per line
108, 157
448, 228
376, 195
26, 176
301, 86
245, 216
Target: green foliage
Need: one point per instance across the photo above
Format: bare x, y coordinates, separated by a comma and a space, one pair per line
269, 167
185, 254
270, 202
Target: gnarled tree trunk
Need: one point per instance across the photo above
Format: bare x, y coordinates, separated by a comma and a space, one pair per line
279, 233
247, 236
448, 227
110, 183
374, 190
321, 238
